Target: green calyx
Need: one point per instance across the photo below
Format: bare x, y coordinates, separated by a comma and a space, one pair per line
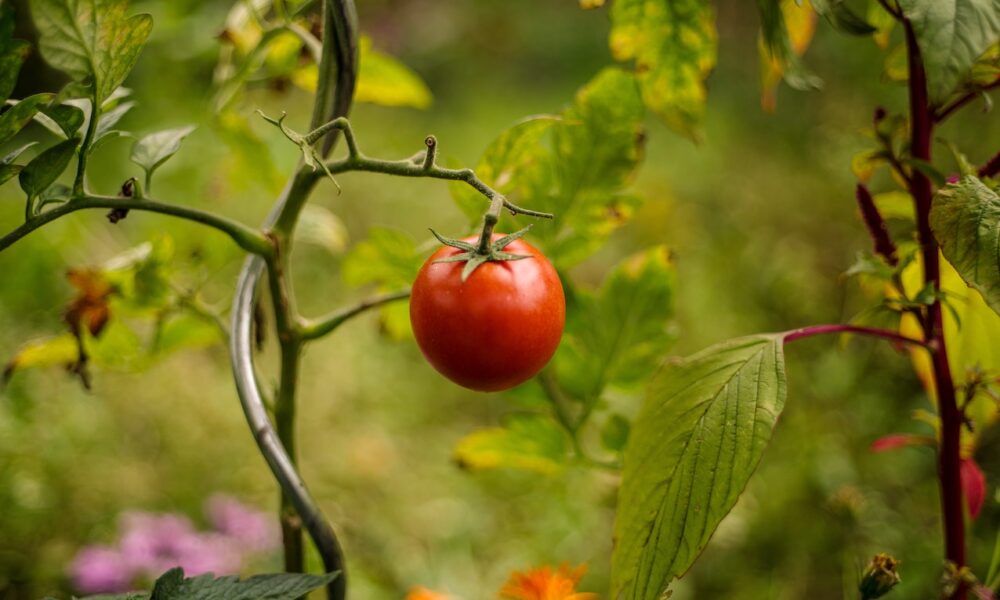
473, 256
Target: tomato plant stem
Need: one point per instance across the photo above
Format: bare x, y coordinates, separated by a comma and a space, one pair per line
79, 182
922, 118
311, 330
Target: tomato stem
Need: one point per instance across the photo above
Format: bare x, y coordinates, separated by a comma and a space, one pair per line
490, 220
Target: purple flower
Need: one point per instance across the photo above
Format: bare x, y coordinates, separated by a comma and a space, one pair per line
100, 569
251, 529
152, 544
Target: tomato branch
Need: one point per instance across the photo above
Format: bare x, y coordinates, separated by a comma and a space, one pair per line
249, 239
314, 329
814, 330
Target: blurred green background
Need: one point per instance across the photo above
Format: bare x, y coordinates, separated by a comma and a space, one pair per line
761, 220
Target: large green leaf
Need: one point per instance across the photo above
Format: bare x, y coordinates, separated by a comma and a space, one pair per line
620, 335
91, 40
693, 446
526, 442
951, 34
965, 218
580, 176
673, 45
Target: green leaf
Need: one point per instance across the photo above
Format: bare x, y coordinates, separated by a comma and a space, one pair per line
385, 81
45, 168
172, 585
842, 17
7, 167
965, 218
110, 118
525, 442
580, 176
65, 119
389, 259
152, 150
513, 152
19, 115
620, 335
787, 30
91, 40
12, 56
673, 46
614, 433
952, 34
694, 444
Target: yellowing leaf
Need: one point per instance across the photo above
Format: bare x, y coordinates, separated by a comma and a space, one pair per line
800, 25
673, 46
525, 442
382, 80
61, 350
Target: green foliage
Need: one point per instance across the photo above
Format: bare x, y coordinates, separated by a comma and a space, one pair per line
44, 169
94, 41
525, 441
66, 118
596, 146
952, 34
694, 445
385, 81
841, 16
12, 52
673, 46
389, 259
7, 167
19, 115
172, 585
966, 221
619, 335
152, 150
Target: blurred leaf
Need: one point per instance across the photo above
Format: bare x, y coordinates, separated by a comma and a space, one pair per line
788, 30
12, 56
61, 350
183, 330
250, 157
673, 45
44, 169
322, 228
965, 218
525, 442
19, 115
973, 486
895, 441
842, 17
382, 80
896, 204
517, 150
614, 433
66, 118
951, 34
896, 67
141, 275
91, 40
882, 21
152, 150
7, 167
389, 259
694, 445
89, 309
620, 335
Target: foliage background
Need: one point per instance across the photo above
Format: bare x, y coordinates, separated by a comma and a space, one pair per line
760, 218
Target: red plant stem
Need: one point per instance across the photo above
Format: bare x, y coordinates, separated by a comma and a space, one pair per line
813, 330
946, 111
991, 168
875, 225
922, 127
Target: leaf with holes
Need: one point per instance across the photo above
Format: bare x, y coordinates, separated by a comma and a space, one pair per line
91, 40
965, 218
697, 439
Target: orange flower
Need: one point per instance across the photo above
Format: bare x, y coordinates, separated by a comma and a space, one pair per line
422, 593
544, 583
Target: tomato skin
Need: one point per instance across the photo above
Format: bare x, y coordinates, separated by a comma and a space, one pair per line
495, 330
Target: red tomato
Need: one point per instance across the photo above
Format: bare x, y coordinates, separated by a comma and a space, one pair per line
495, 330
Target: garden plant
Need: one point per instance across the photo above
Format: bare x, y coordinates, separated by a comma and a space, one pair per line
498, 307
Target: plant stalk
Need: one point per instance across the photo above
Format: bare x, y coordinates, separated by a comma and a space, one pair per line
949, 457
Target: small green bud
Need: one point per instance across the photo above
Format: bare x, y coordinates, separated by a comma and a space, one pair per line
879, 578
